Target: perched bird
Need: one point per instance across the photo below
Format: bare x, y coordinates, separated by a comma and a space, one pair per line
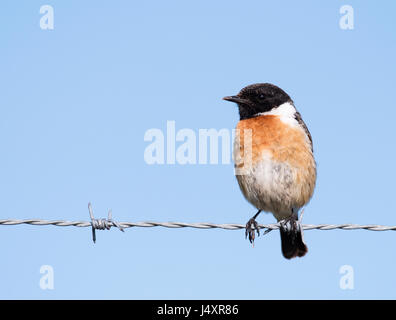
280, 175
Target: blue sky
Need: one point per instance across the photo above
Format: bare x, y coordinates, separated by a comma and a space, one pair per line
76, 102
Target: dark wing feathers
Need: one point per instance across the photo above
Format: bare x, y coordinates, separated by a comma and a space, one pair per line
297, 116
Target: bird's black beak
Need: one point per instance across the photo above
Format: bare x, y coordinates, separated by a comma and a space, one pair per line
235, 99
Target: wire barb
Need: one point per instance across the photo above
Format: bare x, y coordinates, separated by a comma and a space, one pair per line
102, 224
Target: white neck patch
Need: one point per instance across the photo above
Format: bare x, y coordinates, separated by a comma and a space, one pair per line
285, 112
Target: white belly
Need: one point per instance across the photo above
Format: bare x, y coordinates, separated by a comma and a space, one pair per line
271, 186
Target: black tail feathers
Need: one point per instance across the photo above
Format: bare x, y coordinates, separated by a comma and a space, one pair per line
292, 239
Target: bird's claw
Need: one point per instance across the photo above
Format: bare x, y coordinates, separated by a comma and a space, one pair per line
250, 230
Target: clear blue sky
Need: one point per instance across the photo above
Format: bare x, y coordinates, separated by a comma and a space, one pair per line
76, 101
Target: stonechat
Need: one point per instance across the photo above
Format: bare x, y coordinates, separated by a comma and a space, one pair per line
282, 174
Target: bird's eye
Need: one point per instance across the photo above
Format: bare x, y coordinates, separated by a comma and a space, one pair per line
261, 96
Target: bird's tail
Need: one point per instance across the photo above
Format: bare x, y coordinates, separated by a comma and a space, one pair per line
292, 239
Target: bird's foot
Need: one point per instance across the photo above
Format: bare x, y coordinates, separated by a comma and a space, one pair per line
250, 230
288, 223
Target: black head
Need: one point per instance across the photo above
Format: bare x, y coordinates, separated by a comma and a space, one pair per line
258, 98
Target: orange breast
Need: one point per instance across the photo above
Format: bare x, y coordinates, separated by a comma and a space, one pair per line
282, 143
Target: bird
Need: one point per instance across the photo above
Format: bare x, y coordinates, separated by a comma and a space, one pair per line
274, 161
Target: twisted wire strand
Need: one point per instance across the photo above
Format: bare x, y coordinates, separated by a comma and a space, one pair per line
199, 225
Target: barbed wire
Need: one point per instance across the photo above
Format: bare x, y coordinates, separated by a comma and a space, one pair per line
101, 224
198, 225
